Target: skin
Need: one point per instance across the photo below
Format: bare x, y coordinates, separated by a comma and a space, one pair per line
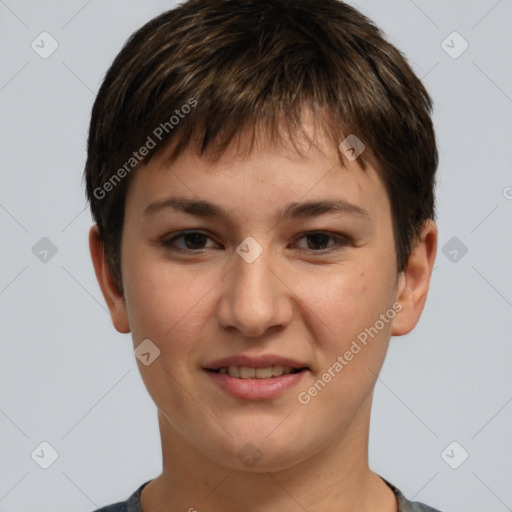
301, 298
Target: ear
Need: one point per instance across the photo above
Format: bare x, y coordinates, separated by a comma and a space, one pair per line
414, 281
113, 297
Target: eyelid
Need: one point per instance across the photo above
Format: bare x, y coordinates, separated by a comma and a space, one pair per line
168, 241
340, 241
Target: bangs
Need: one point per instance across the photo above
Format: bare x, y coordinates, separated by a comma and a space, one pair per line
214, 74
250, 132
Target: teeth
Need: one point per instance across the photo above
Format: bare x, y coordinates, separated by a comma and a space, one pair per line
233, 371
247, 373
277, 370
243, 372
263, 373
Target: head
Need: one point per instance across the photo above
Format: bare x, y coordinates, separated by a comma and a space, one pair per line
243, 106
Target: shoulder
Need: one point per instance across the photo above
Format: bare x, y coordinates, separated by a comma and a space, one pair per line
404, 505
132, 504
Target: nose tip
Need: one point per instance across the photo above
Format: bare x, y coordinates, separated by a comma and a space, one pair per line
254, 300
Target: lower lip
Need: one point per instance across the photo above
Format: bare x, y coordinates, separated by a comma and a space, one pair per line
256, 389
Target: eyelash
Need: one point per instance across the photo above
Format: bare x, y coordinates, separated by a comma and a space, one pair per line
340, 241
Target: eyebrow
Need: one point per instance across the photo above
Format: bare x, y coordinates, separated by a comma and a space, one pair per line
307, 209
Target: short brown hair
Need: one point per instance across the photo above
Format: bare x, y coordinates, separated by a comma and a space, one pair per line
242, 65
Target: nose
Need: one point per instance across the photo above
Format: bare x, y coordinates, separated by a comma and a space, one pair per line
256, 298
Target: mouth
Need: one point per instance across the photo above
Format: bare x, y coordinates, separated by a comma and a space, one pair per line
246, 372
263, 378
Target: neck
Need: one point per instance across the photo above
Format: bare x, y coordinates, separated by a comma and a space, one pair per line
335, 477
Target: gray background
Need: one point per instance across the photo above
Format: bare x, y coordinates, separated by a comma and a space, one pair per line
68, 378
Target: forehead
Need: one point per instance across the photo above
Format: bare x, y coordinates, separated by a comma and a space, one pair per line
258, 180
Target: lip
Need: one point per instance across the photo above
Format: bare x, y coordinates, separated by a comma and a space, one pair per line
256, 361
256, 389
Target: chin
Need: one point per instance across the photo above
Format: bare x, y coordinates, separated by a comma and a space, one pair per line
259, 453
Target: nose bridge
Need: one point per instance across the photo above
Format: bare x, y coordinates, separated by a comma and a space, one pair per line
254, 299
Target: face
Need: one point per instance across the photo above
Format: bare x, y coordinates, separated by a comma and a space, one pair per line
260, 271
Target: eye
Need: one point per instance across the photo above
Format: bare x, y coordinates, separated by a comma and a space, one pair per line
193, 240
318, 240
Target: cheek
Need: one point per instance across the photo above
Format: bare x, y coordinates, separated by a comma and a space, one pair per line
169, 305
156, 299
347, 300
352, 349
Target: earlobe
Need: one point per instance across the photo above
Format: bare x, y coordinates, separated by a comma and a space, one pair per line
113, 297
414, 281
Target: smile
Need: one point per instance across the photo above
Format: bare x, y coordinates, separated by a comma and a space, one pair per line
254, 387
244, 372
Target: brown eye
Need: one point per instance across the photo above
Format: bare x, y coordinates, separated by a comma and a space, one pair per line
187, 241
320, 241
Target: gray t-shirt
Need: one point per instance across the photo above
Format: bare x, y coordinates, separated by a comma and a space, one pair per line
132, 504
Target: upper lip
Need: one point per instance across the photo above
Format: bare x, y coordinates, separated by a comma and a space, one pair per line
259, 361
